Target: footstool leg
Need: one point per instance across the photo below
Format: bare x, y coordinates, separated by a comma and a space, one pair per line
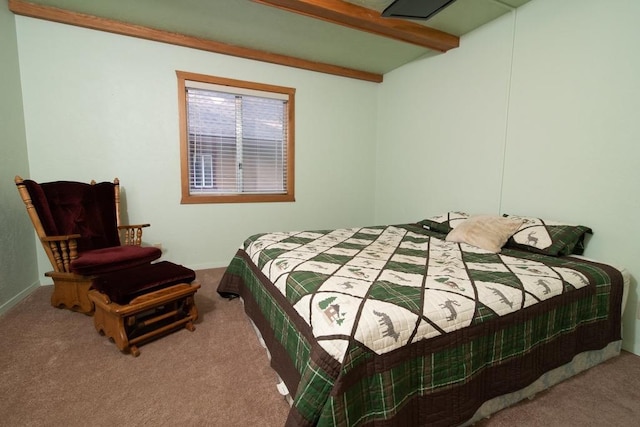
134, 351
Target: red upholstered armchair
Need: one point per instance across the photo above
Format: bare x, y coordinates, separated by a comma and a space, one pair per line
79, 227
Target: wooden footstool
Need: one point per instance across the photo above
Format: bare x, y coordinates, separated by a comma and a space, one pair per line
139, 304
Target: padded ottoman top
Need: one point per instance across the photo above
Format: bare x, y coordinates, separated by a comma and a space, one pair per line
124, 285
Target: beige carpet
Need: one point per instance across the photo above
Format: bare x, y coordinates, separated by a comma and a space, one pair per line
56, 370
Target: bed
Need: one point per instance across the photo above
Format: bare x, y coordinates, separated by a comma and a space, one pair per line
398, 325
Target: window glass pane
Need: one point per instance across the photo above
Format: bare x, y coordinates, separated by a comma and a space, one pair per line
263, 145
212, 149
237, 143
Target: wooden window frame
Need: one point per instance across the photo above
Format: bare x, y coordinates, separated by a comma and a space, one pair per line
187, 197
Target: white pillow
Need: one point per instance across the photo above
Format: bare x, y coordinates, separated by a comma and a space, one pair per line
485, 231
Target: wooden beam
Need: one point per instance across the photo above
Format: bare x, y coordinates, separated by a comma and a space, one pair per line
63, 16
364, 19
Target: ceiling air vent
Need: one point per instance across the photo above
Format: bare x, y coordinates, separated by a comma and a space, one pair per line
415, 9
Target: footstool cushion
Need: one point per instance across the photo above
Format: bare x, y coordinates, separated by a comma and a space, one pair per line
124, 285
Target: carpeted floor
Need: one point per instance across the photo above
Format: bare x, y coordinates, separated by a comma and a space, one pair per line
56, 370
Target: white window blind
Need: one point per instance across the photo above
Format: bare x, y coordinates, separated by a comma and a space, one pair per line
237, 140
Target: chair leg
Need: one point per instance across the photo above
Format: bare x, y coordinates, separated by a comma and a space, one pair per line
71, 293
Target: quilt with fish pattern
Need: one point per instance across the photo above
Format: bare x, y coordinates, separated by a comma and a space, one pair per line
392, 324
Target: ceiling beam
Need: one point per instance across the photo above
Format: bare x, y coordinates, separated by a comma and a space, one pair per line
364, 19
93, 22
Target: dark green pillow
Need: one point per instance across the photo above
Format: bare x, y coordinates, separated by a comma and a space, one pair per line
444, 223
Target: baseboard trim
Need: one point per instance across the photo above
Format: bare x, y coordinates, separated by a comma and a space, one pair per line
207, 266
19, 297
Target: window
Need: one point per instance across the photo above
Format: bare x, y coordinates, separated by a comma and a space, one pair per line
236, 140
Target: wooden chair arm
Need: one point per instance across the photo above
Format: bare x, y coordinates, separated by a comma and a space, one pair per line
124, 227
60, 238
64, 249
132, 233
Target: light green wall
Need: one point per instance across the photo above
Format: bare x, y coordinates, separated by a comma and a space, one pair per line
18, 273
573, 127
489, 127
441, 130
98, 105
552, 133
